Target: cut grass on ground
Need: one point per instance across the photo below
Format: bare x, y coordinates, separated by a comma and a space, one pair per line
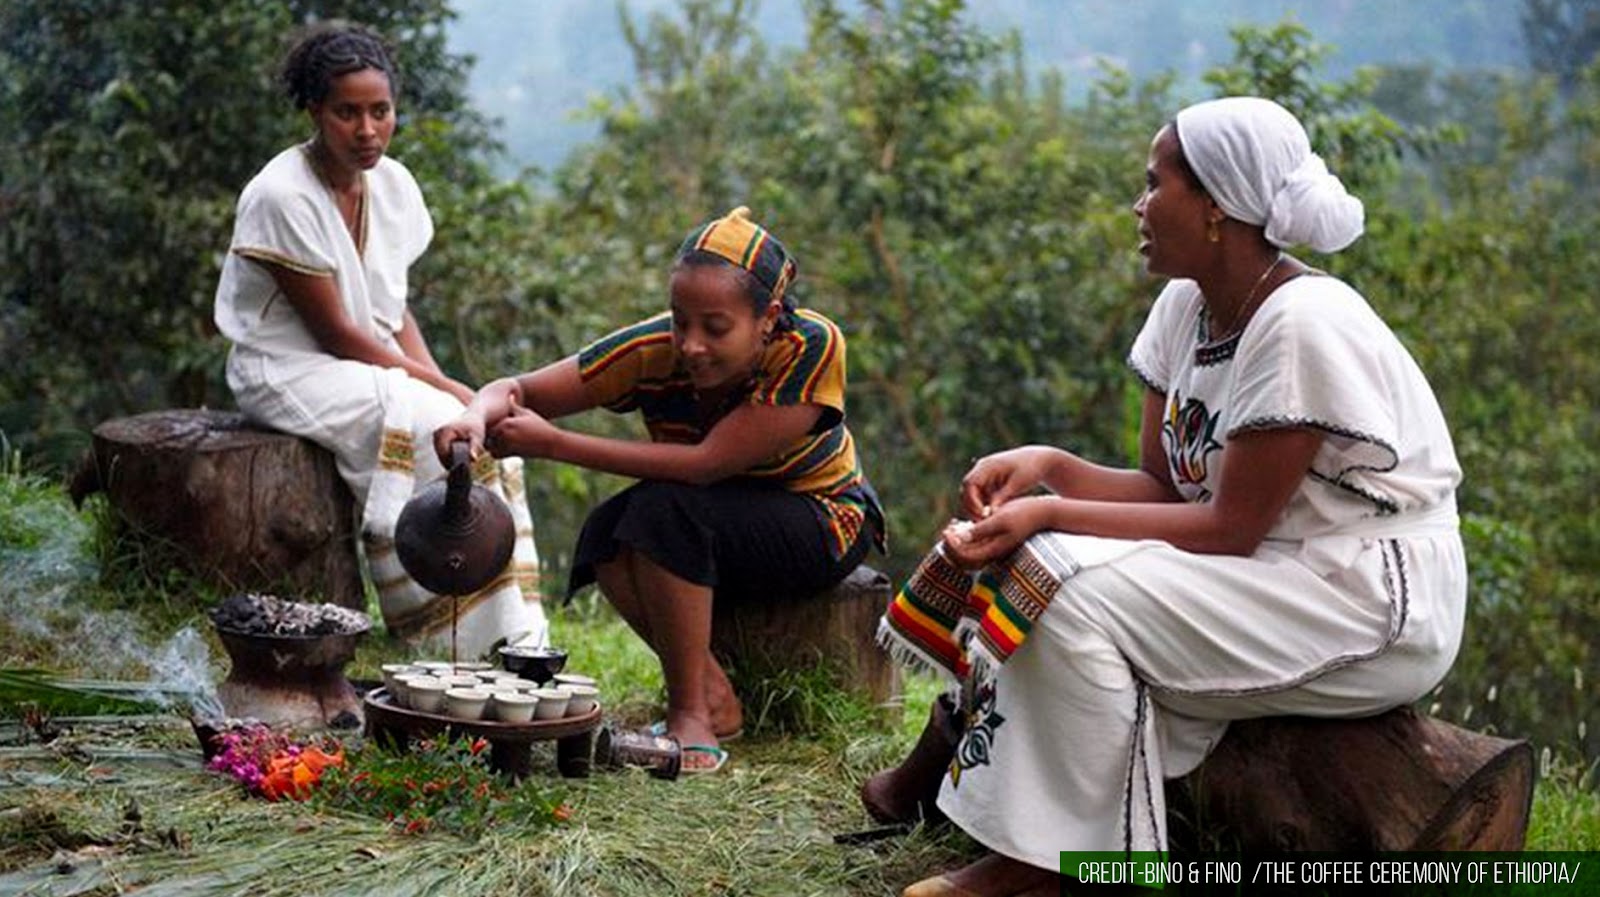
106, 806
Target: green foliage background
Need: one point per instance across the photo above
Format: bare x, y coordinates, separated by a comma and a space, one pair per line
967, 226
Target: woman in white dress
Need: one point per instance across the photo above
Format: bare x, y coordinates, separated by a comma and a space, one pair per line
1287, 545
313, 297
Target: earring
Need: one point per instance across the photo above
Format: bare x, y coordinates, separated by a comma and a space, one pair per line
1213, 232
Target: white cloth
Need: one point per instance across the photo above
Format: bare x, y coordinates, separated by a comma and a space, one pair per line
1314, 354
286, 216
507, 607
282, 378
1352, 606
1255, 160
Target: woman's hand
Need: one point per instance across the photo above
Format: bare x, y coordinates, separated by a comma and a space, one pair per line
460, 390
996, 479
974, 544
522, 432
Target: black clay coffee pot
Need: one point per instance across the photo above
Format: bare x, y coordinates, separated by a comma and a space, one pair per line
455, 536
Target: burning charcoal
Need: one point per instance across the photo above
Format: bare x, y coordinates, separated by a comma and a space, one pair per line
256, 614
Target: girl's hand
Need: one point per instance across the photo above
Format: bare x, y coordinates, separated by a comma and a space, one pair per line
522, 432
974, 544
996, 479
468, 427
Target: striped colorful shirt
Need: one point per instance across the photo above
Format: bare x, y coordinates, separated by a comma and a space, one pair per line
637, 369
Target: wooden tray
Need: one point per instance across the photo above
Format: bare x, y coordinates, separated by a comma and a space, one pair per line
510, 744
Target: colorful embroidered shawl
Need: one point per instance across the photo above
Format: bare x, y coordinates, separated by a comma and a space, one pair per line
965, 624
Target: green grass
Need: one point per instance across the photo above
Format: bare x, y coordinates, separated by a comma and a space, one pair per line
126, 803
113, 805
1566, 808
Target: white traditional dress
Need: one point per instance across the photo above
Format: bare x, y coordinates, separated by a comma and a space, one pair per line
378, 422
1101, 666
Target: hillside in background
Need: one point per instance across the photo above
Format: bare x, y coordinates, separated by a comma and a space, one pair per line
539, 64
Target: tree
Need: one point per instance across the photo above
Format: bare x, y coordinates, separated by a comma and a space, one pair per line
1562, 37
967, 227
129, 130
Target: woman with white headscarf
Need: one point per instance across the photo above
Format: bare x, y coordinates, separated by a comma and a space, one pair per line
1288, 543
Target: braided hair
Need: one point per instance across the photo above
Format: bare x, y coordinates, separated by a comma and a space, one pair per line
330, 49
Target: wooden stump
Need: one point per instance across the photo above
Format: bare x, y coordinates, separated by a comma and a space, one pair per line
1399, 781
837, 628
240, 506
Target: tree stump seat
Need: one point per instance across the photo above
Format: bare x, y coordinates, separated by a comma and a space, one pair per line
837, 629
232, 503
1399, 781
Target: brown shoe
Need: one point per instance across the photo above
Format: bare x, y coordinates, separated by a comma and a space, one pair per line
937, 886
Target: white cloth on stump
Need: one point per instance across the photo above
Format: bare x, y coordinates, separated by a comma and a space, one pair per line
1352, 606
377, 422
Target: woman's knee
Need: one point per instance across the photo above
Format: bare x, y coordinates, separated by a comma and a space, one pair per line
665, 500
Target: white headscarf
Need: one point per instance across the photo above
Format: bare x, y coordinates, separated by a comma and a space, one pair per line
1255, 160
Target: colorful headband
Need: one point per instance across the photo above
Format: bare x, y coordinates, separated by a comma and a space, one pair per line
742, 242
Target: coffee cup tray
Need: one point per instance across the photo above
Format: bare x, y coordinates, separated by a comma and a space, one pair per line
510, 744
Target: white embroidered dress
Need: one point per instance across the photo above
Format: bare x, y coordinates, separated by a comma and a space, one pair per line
1353, 605
378, 422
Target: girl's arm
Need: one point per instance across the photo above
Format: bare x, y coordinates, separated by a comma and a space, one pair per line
552, 391
749, 435
315, 297
415, 347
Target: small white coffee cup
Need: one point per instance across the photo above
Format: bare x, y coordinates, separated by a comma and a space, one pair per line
465, 703
513, 706
583, 699
552, 703
427, 693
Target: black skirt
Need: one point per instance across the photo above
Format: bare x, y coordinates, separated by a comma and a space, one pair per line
745, 540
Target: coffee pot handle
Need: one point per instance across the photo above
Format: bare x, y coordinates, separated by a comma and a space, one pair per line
458, 489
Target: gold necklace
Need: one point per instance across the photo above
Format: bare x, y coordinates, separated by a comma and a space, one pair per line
1242, 317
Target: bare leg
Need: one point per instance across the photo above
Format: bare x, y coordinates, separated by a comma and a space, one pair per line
679, 618
726, 713
616, 580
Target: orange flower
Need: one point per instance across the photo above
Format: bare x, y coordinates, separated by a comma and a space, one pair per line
293, 776
478, 746
316, 759
562, 813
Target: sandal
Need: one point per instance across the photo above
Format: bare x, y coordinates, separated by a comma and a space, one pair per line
718, 754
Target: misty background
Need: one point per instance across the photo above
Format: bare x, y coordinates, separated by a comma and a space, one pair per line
540, 63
